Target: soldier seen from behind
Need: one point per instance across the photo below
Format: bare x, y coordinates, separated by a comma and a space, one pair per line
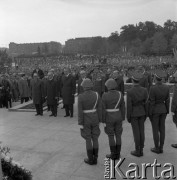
159, 98
137, 112
113, 116
89, 117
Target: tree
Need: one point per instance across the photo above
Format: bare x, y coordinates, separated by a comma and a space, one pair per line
146, 46
159, 44
173, 42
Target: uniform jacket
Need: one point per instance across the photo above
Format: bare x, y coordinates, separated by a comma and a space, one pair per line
86, 101
174, 99
144, 82
120, 84
52, 92
109, 101
159, 98
37, 89
68, 89
137, 102
24, 89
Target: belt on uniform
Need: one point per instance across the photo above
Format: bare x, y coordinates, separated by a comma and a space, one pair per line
89, 111
112, 110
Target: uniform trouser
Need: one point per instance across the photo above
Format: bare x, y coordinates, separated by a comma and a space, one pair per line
26, 99
69, 109
91, 133
114, 131
175, 119
158, 129
137, 124
53, 108
39, 108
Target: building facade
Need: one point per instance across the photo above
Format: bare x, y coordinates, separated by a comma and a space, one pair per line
34, 48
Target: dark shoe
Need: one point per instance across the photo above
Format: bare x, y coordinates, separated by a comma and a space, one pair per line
118, 149
141, 152
113, 153
136, 153
66, 115
55, 115
89, 160
155, 150
160, 151
41, 114
174, 145
95, 155
51, 115
37, 114
71, 116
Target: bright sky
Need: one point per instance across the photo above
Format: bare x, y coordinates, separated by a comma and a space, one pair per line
25, 21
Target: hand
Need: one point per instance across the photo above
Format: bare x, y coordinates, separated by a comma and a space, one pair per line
104, 124
172, 113
82, 126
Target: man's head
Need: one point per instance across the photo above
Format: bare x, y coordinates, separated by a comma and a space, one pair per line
82, 74
50, 75
67, 71
111, 84
136, 77
87, 84
35, 76
160, 75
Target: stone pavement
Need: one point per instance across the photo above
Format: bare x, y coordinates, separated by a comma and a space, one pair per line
53, 149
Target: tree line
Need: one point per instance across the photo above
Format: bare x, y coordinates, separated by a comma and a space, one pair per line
144, 38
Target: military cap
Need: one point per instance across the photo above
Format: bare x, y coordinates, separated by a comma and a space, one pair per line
160, 74
111, 84
87, 83
136, 75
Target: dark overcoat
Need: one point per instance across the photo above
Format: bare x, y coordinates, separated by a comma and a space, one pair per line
37, 89
52, 92
68, 89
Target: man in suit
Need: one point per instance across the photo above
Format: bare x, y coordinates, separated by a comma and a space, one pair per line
113, 115
159, 108
137, 112
68, 91
174, 104
81, 78
52, 93
24, 89
38, 71
89, 116
37, 89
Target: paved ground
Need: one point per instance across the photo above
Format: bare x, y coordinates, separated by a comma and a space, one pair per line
53, 149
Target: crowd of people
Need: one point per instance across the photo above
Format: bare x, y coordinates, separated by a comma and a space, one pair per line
101, 90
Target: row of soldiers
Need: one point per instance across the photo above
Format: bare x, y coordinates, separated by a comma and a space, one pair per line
152, 102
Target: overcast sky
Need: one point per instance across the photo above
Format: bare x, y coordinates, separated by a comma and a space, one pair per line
24, 21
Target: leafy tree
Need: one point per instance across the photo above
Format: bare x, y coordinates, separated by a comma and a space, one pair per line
159, 44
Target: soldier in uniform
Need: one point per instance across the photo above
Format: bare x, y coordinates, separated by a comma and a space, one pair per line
89, 116
174, 104
159, 98
113, 115
137, 112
